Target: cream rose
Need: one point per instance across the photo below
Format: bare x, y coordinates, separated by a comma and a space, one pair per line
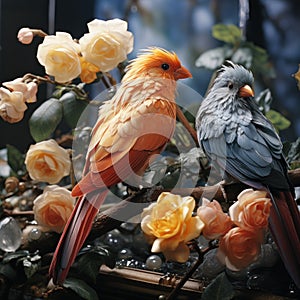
252, 209
240, 247
217, 223
12, 106
28, 89
170, 223
47, 161
59, 54
107, 43
53, 208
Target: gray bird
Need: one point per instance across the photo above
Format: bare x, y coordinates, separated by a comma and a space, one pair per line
243, 145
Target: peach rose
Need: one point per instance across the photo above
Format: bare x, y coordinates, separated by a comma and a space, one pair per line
12, 106
47, 161
240, 247
53, 208
28, 89
217, 223
59, 54
25, 35
107, 43
252, 209
170, 223
88, 71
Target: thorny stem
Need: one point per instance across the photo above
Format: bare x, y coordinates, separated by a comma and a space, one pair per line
189, 274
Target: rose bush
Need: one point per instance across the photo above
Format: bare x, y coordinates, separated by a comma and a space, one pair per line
47, 161
107, 43
59, 54
252, 209
217, 223
53, 208
12, 106
170, 223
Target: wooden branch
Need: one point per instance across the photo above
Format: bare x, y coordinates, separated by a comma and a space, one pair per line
120, 212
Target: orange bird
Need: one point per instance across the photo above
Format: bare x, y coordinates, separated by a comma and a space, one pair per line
132, 126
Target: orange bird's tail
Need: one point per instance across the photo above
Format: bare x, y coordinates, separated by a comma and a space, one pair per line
285, 228
75, 233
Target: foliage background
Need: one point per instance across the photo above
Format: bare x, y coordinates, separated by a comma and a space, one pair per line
183, 26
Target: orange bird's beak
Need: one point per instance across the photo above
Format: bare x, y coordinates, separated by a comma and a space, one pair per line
246, 91
182, 73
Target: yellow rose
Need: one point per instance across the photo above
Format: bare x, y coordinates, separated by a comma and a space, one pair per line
107, 43
217, 223
53, 208
252, 209
88, 71
12, 106
47, 161
169, 221
240, 247
59, 54
28, 89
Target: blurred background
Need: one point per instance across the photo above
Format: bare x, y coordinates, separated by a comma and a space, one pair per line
184, 26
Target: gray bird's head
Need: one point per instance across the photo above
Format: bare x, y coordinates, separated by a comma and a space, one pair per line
234, 80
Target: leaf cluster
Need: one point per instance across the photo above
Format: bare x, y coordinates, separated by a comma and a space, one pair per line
67, 106
237, 50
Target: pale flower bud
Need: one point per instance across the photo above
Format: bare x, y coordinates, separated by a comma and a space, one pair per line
29, 90
25, 35
12, 106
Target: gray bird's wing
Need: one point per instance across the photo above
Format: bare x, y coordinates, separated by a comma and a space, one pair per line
250, 153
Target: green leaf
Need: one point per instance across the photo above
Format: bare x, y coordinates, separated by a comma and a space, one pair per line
45, 119
8, 257
227, 33
81, 288
219, 289
292, 151
214, 58
260, 62
30, 268
72, 108
89, 263
15, 159
278, 120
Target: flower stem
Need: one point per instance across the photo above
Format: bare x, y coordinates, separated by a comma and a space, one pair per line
189, 274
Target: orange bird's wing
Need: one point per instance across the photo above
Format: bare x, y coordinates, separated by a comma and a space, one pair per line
123, 141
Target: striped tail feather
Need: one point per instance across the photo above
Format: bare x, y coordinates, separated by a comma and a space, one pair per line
74, 235
285, 228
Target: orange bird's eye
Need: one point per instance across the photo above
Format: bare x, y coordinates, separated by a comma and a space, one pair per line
165, 67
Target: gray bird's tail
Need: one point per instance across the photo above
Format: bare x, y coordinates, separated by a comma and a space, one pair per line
285, 228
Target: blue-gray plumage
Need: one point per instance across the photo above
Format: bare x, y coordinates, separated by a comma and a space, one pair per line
242, 143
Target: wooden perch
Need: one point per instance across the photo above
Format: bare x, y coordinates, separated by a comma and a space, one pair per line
120, 212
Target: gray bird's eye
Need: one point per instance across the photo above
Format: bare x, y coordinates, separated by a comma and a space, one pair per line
230, 85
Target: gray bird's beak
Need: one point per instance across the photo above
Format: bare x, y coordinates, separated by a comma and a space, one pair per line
246, 91
182, 73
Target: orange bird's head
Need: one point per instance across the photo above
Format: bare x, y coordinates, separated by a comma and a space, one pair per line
157, 62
